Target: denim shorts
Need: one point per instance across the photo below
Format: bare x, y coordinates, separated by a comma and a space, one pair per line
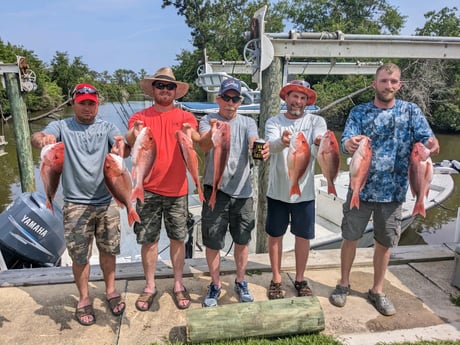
386, 216
229, 214
157, 208
301, 215
83, 223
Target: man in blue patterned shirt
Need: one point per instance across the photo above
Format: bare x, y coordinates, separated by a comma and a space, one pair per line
393, 126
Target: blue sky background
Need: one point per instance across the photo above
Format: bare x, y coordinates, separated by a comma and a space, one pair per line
129, 34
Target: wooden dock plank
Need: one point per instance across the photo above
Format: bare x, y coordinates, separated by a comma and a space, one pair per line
319, 259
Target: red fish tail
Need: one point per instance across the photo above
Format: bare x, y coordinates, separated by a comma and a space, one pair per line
294, 192
331, 188
200, 193
133, 216
419, 208
354, 201
212, 199
138, 193
49, 204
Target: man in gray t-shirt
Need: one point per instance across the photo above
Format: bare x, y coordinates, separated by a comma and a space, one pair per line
88, 211
229, 204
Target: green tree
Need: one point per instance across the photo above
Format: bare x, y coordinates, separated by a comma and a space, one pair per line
348, 16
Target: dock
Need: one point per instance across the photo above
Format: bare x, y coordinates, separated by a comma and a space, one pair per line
38, 304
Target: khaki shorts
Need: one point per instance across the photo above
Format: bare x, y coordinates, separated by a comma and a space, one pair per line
84, 223
387, 218
174, 210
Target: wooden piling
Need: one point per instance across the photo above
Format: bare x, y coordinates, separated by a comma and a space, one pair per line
266, 319
21, 132
269, 106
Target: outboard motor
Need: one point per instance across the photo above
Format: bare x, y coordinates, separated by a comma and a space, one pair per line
30, 234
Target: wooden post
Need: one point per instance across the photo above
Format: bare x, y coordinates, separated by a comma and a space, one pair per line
275, 318
21, 132
269, 106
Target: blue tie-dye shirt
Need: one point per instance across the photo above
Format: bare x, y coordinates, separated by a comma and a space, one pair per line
392, 131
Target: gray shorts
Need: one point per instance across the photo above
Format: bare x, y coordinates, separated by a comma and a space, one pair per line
387, 218
174, 212
232, 214
83, 223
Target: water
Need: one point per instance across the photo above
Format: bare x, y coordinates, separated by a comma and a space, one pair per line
438, 226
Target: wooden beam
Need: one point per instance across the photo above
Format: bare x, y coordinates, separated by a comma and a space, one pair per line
274, 318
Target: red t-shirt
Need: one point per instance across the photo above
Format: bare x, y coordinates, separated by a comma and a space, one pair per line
168, 175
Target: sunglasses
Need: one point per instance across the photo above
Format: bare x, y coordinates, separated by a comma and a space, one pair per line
84, 90
301, 83
235, 99
161, 86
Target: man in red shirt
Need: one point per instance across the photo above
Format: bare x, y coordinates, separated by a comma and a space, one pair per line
166, 187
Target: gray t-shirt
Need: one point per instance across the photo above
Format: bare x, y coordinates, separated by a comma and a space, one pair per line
236, 180
85, 149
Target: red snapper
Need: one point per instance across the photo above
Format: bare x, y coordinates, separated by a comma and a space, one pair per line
359, 169
298, 159
52, 161
221, 141
190, 159
329, 159
142, 156
420, 176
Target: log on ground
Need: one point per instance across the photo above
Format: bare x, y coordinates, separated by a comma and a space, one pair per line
265, 319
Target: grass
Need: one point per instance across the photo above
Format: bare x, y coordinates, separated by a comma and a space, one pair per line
311, 339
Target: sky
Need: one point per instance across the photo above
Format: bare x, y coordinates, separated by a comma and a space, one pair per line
126, 34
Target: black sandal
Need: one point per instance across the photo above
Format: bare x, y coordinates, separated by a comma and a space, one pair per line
303, 289
274, 291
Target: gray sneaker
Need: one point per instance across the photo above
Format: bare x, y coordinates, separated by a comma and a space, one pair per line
243, 292
212, 295
382, 303
338, 297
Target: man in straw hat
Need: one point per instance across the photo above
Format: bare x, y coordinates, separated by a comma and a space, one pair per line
283, 206
166, 187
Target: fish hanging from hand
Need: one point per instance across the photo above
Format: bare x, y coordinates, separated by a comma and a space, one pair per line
221, 141
118, 181
329, 159
420, 176
142, 156
190, 159
298, 159
52, 162
359, 169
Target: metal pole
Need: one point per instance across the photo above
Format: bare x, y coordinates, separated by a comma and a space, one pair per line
21, 132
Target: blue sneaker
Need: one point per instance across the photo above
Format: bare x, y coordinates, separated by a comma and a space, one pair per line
243, 292
212, 295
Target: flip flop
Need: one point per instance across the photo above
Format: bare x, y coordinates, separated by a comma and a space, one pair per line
81, 312
116, 302
145, 297
182, 296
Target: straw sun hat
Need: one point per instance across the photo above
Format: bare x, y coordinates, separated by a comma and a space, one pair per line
164, 74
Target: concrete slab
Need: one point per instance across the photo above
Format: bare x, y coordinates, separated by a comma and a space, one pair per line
420, 291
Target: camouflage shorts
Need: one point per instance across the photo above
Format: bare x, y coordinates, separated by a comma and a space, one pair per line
83, 223
173, 209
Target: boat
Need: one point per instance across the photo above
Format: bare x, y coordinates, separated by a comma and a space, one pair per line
329, 209
210, 82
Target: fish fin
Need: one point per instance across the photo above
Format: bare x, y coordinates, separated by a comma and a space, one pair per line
138, 193
331, 188
354, 201
212, 199
419, 208
200, 193
133, 216
49, 204
294, 193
